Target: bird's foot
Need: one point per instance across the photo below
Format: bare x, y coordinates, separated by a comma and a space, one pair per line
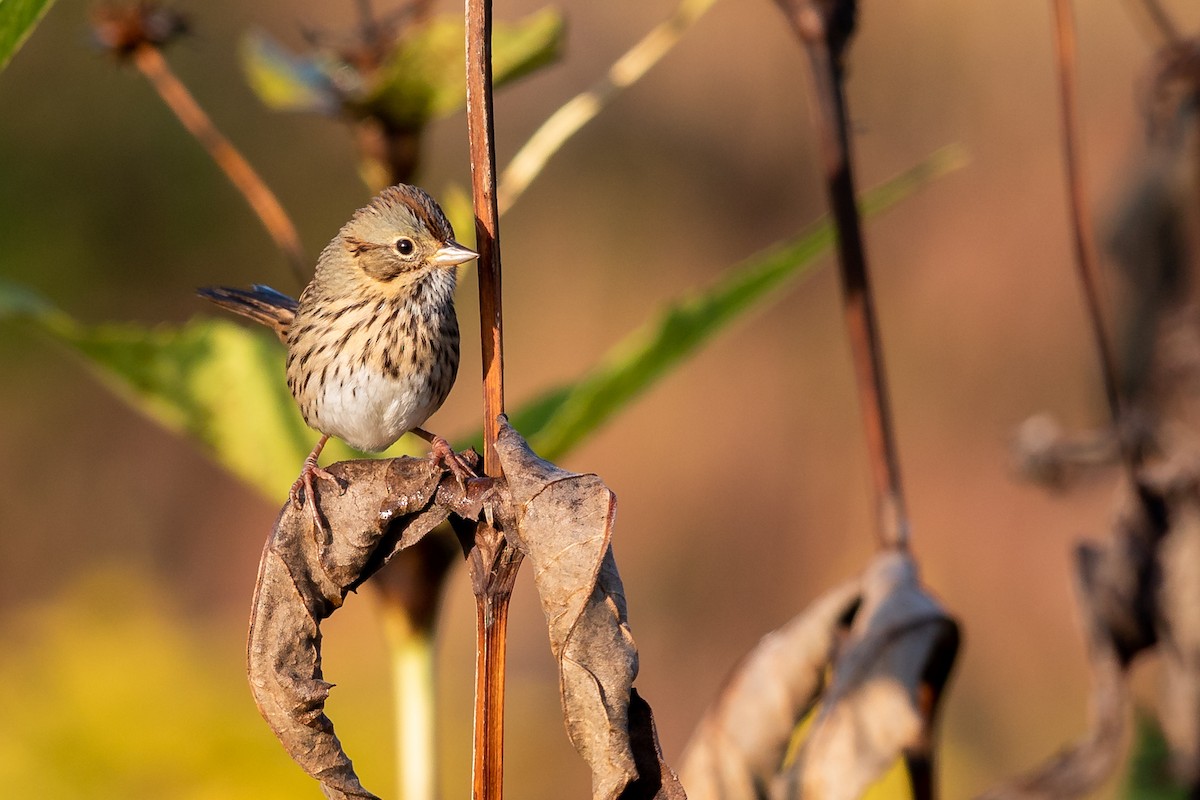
462, 465
303, 490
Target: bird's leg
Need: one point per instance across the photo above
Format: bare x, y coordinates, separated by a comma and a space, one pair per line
305, 482
442, 454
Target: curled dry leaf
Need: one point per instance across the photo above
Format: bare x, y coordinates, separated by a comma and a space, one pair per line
883, 697
564, 526
889, 669
739, 746
561, 521
1117, 584
656, 780
1176, 612
304, 577
1179, 600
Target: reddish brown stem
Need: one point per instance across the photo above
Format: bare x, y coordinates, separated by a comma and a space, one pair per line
491, 630
149, 61
487, 230
824, 47
493, 563
1083, 236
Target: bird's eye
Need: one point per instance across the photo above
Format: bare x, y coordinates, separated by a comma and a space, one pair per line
405, 246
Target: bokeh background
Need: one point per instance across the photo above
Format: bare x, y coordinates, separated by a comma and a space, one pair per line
127, 558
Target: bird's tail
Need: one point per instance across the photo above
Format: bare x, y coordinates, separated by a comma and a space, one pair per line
260, 303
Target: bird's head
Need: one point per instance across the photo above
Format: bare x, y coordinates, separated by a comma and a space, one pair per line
399, 237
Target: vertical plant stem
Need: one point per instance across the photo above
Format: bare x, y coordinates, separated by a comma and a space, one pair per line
1081, 223
493, 564
409, 591
825, 33
1083, 237
491, 623
149, 61
412, 663
487, 230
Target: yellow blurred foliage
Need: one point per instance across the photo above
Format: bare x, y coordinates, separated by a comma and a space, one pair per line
110, 692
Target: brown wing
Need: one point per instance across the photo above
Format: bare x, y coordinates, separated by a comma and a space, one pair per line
260, 303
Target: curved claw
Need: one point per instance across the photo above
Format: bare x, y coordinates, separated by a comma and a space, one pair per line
303, 487
442, 454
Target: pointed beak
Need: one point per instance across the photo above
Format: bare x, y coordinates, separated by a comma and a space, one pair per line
452, 254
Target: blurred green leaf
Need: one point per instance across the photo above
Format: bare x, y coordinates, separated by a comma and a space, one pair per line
1149, 776
423, 79
560, 419
214, 381
17, 20
284, 81
222, 384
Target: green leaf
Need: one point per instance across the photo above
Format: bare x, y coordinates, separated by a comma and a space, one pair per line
561, 418
424, 78
222, 384
1149, 776
211, 380
17, 21
285, 81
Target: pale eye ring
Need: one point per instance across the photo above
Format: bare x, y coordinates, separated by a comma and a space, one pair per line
405, 246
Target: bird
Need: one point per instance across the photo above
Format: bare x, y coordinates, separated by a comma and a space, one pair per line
372, 342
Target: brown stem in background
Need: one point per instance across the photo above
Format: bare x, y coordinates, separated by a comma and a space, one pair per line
825, 28
150, 62
492, 562
1162, 20
1081, 221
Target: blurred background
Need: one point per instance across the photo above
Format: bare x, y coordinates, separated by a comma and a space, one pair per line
128, 558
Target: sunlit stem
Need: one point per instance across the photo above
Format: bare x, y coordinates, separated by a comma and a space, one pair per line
412, 656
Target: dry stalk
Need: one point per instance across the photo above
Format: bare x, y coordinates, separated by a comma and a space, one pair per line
492, 561
1083, 236
825, 29
149, 61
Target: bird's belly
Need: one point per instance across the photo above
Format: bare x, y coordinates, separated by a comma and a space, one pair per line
370, 410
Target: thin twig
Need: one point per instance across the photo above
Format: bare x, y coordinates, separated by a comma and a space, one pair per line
825, 32
150, 62
1081, 221
564, 123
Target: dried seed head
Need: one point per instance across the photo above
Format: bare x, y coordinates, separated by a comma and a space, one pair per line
123, 29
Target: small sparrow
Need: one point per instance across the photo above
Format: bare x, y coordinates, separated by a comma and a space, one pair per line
372, 344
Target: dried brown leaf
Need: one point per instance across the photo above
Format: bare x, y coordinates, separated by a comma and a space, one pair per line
656, 780
1179, 602
304, 577
564, 526
739, 746
886, 682
1117, 585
